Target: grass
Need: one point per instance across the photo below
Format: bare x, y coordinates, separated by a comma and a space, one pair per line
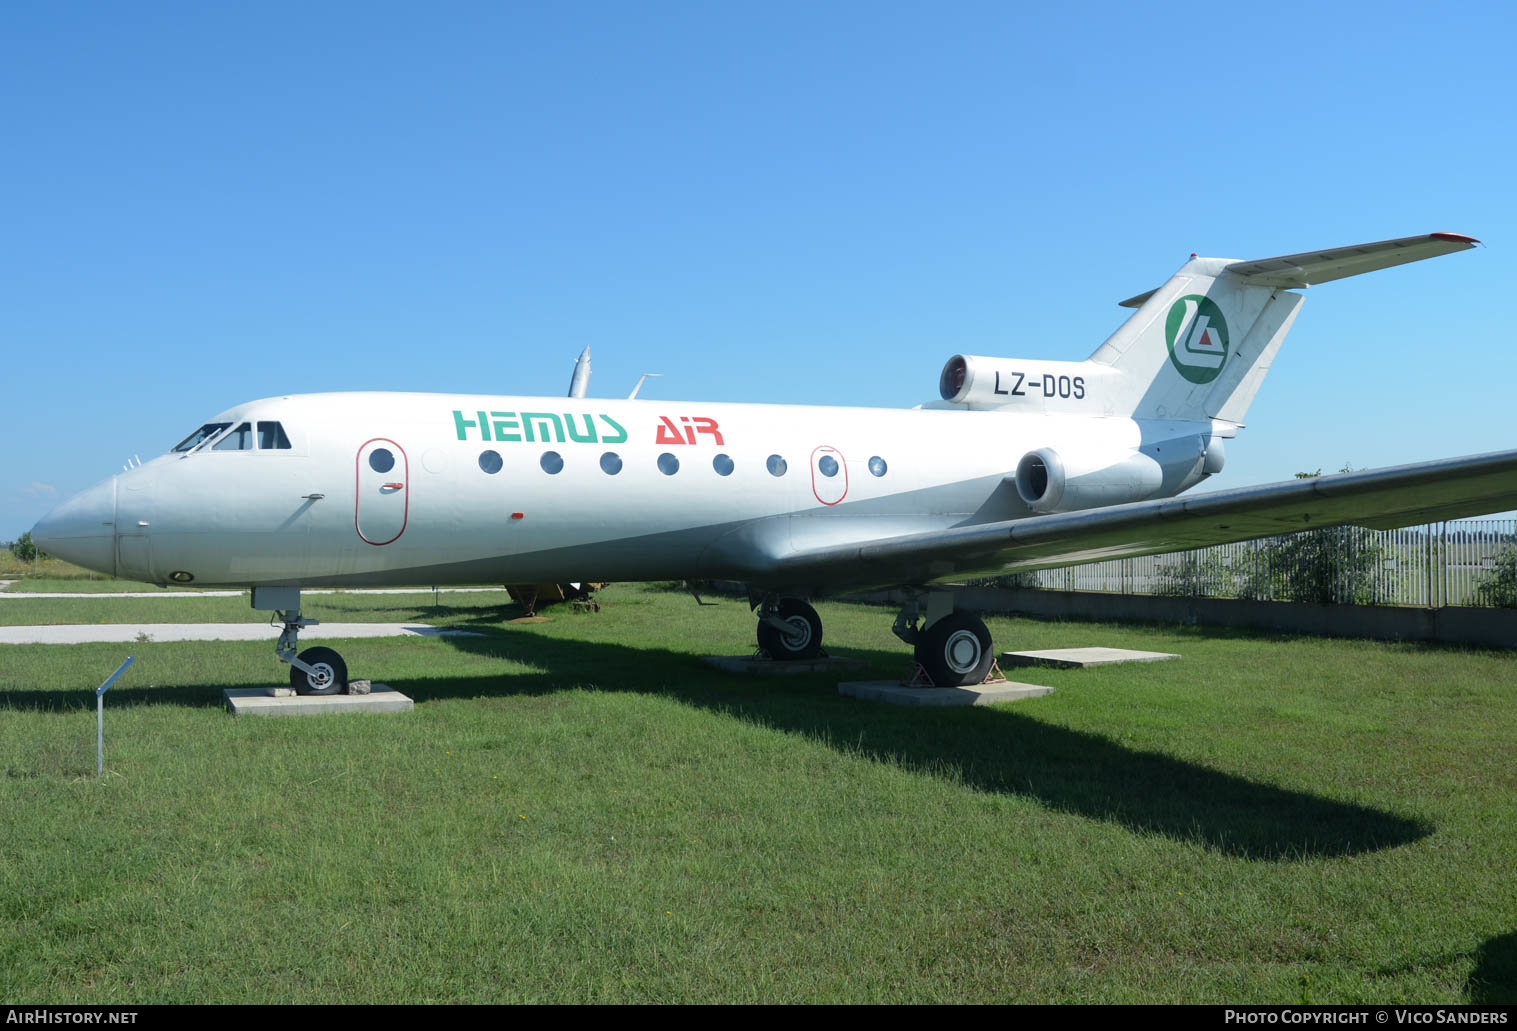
45, 566
579, 810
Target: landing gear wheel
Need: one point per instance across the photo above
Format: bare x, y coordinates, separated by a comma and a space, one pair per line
802, 638
955, 651
331, 673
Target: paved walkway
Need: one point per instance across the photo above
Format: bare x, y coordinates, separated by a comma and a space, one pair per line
237, 594
109, 632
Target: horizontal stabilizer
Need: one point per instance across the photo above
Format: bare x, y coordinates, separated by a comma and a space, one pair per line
1312, 267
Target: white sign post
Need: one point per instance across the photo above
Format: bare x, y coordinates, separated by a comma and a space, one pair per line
100, 716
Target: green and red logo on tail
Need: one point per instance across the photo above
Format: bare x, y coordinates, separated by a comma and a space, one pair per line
1196, 334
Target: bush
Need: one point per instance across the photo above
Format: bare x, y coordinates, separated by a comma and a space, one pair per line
23, 548
1499, 586
1325, 567
1010, 581
1197, 574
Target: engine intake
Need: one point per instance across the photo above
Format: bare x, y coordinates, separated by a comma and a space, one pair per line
1048, 482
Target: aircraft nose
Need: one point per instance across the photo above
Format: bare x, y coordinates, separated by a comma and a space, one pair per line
82, 530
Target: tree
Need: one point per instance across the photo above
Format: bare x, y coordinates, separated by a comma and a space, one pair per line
23, 548
1335, 564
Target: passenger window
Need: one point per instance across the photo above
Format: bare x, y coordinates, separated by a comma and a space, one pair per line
668, 464
611, 463
271, 437
490, 461
828, 465
877, 465
240, 439
776, 465
381, 460
552, 462
200, 436
722, 464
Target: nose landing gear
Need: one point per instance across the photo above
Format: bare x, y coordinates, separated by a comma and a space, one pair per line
789, 628
315, 671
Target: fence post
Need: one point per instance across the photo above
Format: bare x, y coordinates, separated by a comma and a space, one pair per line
1428, 537
1443, 563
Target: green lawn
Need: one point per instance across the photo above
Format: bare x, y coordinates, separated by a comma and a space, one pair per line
580, 810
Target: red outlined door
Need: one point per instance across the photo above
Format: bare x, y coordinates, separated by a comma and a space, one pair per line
829, 475
382, 503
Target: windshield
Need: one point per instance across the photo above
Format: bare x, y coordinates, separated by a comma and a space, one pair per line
200, 436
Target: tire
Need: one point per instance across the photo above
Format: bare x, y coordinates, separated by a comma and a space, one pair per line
324, 659
956, 651
804, 638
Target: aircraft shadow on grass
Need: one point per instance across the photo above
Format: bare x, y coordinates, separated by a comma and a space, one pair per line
998, 749
1493, 982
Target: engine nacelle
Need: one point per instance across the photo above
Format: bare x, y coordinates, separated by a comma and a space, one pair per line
1050, 482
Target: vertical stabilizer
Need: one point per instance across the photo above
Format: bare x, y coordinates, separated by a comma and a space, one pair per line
1200, 345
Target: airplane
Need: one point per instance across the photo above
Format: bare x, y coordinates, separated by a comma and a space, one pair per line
1020, 464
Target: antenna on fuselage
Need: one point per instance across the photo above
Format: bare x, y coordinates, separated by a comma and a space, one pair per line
580, 381
639, 386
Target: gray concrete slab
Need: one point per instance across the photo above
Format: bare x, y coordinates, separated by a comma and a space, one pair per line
893, 693
94, 633
783, 667
1080, 658
259, 701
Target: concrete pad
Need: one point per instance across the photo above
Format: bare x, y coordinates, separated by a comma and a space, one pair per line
1080, 658
94, 633
782, 667
892, 693
257, 701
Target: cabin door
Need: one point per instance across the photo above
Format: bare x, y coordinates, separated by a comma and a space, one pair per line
383, 503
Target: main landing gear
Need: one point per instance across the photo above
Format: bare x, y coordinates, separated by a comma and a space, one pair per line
953, 648
315, 671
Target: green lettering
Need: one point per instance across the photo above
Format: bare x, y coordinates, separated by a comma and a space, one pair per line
621, 434
590, 437
543, 418
462, 424
484, 426
504, 423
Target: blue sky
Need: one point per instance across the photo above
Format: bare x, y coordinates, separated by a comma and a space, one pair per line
781, 202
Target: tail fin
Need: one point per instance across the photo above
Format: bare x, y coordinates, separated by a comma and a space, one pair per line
1199, 346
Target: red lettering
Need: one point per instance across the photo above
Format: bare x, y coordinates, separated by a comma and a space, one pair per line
704, 425
668, 433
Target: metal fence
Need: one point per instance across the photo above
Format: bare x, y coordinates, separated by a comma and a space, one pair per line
1470, 562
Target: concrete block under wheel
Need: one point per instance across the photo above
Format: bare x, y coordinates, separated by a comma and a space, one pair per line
782, 667
1080, 658
258, 701
892, 692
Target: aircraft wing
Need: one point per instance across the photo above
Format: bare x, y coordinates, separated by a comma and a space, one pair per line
1381, 498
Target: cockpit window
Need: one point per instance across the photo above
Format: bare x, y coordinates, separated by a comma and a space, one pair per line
271, 437
240, 439
200, 436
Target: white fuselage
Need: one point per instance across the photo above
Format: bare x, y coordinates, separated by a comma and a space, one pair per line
378, 488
